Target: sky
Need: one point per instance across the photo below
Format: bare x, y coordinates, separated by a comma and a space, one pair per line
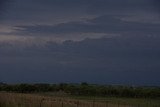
73, 41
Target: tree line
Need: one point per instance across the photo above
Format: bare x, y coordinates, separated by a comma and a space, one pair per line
85, 89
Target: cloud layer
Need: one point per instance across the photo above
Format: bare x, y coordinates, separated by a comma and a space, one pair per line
99, 41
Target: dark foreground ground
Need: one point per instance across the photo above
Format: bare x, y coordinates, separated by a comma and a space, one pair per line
55, 100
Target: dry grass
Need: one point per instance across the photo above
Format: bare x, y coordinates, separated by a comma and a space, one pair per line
33, 100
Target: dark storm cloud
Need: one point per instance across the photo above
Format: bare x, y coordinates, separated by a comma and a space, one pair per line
29, 10
130, 58
114, 60
3, 6
122, 6
156, 4
108, 13
2, 3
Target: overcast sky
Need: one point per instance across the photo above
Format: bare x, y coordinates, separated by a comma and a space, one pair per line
95, 41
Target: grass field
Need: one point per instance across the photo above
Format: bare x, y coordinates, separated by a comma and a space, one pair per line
63, 100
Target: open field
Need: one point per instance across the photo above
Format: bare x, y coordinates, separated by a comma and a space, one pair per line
46, 100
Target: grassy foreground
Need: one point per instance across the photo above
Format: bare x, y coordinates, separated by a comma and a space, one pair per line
61, 100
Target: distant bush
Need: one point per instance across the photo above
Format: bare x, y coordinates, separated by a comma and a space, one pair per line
85, 89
